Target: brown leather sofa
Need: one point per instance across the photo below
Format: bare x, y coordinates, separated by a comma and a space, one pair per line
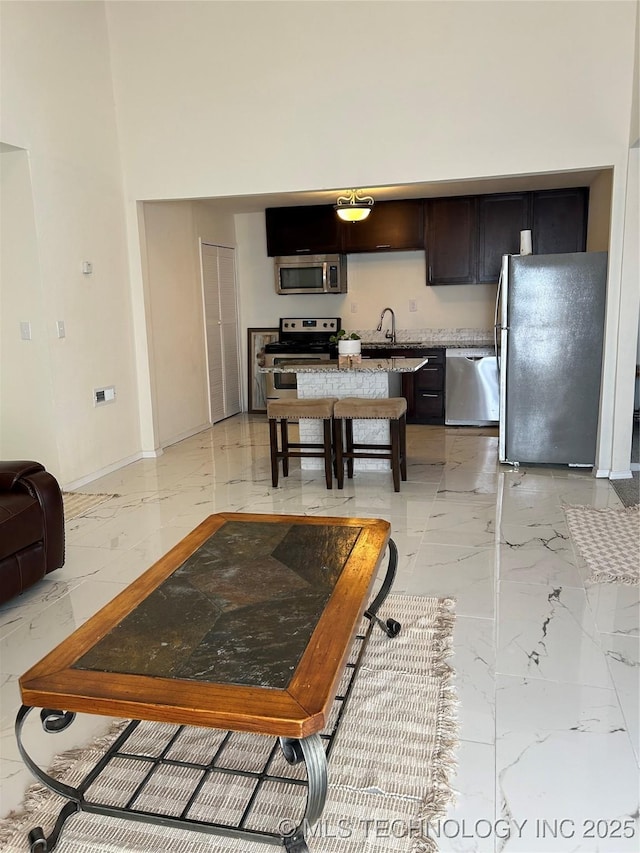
31, 526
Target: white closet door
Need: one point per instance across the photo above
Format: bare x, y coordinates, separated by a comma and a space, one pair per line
229, 325
221, 327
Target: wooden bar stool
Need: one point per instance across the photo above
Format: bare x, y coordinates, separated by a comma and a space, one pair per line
320, 408
393, 409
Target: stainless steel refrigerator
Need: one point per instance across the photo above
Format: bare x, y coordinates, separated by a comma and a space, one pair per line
550, 329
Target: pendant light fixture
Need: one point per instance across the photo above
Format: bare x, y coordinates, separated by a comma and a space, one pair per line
353, 207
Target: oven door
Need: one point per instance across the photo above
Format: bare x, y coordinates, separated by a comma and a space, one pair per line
282, 385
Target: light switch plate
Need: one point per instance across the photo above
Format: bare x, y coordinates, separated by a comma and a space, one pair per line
25, 330
60, 328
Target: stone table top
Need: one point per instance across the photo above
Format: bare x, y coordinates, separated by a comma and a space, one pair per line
240, 610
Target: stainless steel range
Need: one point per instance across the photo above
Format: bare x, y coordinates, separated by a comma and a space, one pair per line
305, 340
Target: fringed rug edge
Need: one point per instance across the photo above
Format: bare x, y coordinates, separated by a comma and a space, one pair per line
432, 807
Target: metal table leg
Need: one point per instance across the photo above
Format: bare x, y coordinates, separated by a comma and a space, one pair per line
391, 627
52, 721
311, 751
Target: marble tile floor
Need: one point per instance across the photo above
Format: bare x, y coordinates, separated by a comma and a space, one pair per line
547, 666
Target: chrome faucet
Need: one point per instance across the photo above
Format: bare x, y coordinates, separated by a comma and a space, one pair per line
390, 335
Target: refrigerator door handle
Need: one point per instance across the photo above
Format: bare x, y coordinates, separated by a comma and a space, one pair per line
496, 324
501, 304
496, 317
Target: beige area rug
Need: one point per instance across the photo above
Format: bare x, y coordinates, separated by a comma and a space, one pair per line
79, 503
608, 540
388, 772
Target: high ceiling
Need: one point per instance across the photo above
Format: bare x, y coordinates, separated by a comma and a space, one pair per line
507, 183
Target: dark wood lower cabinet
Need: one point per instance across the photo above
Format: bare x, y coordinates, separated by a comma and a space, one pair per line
428, 408
428, 395
424, 389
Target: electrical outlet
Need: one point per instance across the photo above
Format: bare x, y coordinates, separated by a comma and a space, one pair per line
413, 305
101, 396
354, 307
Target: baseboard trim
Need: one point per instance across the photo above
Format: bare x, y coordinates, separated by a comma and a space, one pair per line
188, 434
621, 475
102, 472
151, 454
143, 454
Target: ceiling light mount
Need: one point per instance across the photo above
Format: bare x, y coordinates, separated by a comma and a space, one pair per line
353, 207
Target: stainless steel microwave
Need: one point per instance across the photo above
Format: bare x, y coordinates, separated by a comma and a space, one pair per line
311, 274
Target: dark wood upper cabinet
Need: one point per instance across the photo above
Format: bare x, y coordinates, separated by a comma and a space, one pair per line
311, 230
501, 218
464, 236
451, 240
467, 236
391, 226
559, 220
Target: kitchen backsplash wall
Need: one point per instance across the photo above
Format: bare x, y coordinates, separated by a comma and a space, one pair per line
397, 280
394, 279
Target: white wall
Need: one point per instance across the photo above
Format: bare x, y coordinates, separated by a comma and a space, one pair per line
219, 99
634, 202
175, 311
175, 316
57, 104
26, 382
629, 309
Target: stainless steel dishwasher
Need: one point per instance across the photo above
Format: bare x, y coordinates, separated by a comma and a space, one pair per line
472, 395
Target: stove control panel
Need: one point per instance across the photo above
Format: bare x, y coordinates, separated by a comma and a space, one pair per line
309, 325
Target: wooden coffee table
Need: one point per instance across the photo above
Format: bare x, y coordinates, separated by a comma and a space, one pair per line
246, 625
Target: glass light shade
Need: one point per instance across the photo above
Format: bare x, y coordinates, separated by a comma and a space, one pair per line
353, 207
353, 212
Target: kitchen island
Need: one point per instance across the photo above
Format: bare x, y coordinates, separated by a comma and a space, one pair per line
372, 377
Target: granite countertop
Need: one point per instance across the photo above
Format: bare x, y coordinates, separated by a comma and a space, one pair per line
367, 365
454, 343
429, 338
